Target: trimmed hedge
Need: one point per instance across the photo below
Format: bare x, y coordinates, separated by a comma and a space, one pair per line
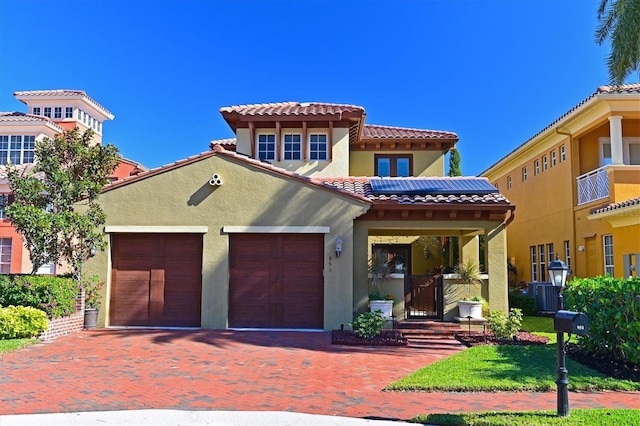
56, 296
613, 308
18, 322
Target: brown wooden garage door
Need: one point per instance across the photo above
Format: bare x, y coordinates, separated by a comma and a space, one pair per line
276, 280
156, 280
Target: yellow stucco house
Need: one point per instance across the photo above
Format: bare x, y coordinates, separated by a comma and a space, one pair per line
274, 228
576, 185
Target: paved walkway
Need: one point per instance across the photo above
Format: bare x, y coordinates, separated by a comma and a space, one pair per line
300, 372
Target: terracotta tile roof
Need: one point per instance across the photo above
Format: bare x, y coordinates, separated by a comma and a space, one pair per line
602, 91
292, 108
623, 88
372, 131
21, 117
62, 93
616, 206
362, 186
229, 144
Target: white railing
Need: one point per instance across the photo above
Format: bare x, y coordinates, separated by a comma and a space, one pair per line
593, 185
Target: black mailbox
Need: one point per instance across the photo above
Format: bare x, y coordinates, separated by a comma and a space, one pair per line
571, 322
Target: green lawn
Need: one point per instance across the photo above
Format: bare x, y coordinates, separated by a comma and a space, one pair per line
14, 344
592, 417
508, 368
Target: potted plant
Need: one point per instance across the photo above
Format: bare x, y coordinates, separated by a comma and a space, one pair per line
92, 300
468, 273
379, 270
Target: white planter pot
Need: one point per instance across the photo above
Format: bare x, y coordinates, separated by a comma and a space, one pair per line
470, 308
386, 306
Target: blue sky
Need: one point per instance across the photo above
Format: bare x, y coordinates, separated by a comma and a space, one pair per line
493, 71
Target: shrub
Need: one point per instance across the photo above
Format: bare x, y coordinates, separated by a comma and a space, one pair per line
56, 296
523, 302
368, 324
504, 327
613, 308
93, 292
17, 322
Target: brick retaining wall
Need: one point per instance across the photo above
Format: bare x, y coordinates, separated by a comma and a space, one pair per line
66, 325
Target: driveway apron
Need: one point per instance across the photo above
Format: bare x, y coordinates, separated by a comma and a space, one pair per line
243, 371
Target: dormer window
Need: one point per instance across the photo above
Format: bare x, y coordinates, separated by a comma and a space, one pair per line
267, 147
318, 147
292, 146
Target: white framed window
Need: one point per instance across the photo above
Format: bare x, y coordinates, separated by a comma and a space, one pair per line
17, 149
57, 112
524, 174
563, 154
267, 146
536, 169
292, 146
567, 253
554, 159
99, 127
80, 114
5, 255
607, 243
36, 111
550, 254
545, 163
630, 151
534, 264
4, 202
318, 146
68, 112
543, 263
508, 182
47, 112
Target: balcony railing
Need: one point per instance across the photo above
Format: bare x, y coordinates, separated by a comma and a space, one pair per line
593, 185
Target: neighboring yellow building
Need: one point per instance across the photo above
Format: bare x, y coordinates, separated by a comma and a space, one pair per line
576, 185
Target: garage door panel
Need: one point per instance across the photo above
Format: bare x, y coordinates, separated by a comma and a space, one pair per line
272, 269
157, 279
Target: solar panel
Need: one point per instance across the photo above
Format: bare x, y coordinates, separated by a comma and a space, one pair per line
430, 186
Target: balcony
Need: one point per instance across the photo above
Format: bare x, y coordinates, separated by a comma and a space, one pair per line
593, 185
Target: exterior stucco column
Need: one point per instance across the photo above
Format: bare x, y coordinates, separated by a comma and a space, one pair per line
497, 268
360, 268
615, 131
470, 250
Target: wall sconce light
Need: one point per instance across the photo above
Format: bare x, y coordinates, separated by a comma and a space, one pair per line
338, 246
215, 180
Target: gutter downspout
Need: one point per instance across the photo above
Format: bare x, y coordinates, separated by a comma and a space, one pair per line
573, 199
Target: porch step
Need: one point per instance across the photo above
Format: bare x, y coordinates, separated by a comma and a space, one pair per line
415, 329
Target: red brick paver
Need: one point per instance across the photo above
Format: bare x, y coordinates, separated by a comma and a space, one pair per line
233, 370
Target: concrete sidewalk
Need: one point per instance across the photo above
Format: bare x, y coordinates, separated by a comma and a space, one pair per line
191, 418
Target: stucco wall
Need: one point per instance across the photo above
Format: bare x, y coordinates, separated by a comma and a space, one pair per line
425, 163
248, 197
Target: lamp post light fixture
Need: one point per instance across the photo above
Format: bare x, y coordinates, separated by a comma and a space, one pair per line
558, 272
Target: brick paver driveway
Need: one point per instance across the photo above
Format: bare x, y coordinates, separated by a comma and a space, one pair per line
241, 370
